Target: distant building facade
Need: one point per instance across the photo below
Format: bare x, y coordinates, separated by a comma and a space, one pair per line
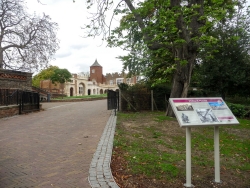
92, 83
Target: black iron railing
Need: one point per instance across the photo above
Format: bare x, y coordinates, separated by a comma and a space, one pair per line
30, 101
27, 100
9, 97
113, 100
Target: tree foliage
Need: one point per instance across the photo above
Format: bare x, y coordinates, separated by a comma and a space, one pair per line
162, 36
27, 42
61, 76
45, 74
225, 64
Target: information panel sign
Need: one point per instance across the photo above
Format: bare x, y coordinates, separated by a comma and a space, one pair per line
202, 112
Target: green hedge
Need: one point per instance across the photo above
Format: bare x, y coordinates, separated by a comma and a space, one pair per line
239, 110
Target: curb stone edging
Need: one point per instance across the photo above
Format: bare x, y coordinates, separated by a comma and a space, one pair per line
100, 175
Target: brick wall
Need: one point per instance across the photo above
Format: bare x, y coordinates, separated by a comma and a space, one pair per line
15, 79
7, 111
112, 76
96, 73
11, 110
48, 86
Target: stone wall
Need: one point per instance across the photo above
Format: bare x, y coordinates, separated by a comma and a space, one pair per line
10, 79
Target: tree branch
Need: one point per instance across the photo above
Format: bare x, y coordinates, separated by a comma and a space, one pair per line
147, 39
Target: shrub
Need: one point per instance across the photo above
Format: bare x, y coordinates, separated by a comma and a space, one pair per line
197, 93
161, 95
123, 86
238, 110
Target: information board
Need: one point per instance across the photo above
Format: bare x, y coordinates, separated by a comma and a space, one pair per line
202, 112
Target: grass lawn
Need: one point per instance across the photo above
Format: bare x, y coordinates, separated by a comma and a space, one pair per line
149, 151
81, 97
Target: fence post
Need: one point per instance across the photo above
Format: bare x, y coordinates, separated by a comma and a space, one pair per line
20, 103
7, 97
17, 93
117, 98
120, 100
38, 100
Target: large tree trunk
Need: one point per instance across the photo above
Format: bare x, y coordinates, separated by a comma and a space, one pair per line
182, 77
187, 51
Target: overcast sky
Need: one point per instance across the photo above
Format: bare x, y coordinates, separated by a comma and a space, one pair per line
76, 53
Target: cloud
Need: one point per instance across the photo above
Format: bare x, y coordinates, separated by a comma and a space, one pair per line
78, 46
76, 53
62, 54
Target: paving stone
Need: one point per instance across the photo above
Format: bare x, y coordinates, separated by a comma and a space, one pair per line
104, 152
42, 149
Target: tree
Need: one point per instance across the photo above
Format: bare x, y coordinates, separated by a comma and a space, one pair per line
45, 74
27, 42
165, 32
224, 66
61, 76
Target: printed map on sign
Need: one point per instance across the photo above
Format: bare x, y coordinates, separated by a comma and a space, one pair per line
202, 112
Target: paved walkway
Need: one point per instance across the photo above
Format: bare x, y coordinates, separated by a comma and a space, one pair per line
100, 173
55, 147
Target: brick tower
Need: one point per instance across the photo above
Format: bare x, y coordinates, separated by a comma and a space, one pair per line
96, 72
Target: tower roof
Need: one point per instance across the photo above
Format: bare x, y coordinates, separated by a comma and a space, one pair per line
96, 64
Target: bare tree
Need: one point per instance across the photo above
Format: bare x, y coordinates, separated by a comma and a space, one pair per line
27, 42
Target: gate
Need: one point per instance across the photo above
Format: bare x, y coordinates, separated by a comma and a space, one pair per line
113, 100
29, 101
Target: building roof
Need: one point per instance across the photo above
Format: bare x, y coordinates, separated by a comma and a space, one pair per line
96, 64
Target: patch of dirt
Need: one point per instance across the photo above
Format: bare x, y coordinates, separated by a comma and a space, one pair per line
202, 176
238, 132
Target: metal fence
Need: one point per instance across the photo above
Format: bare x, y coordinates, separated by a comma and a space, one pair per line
30, 101
113, 100
27, 100
9, 97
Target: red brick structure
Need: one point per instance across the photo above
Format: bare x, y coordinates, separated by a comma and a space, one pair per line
7, 111
48, 86
10, 79
116, 78
96, 73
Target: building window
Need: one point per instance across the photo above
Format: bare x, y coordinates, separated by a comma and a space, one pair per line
111, 82
93, 70
119, 80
